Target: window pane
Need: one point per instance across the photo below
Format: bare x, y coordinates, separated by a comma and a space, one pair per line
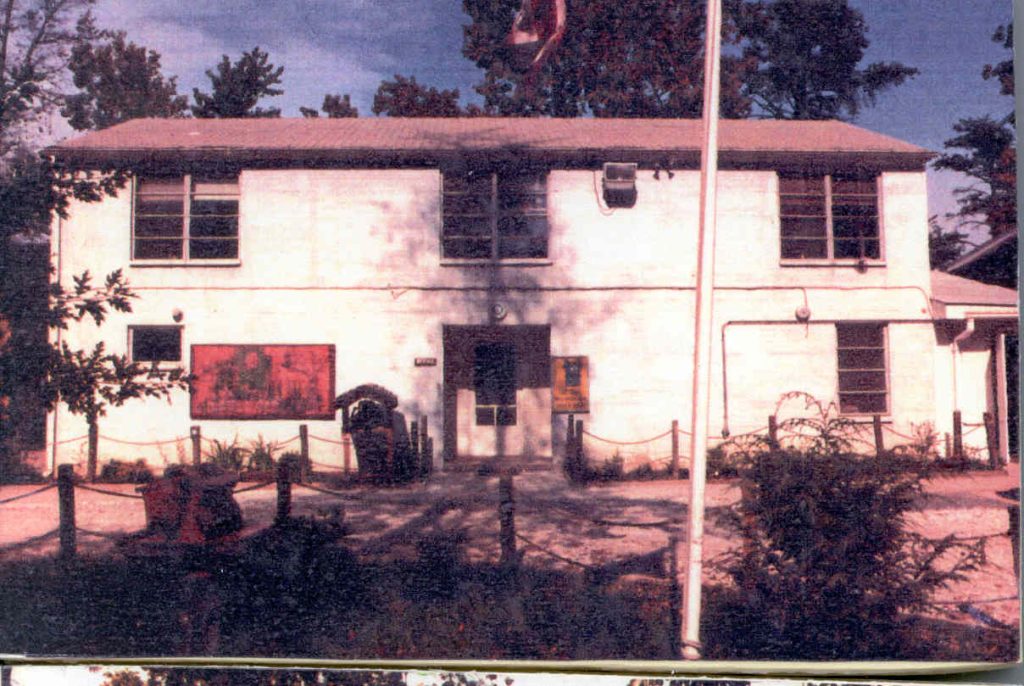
168, 205
479, 227
476, 183
207, 227
219, 207
854, 358
467, 203
506, 415
156, 343
166, 227
153, 249
852, 185
485, 416
173, 185
868, 403
523, 236
861, 335
812, 205
212, 249
796, 248
494, 374
862, 381
466, 248
803, 227
855, 248
801, 184
214, 188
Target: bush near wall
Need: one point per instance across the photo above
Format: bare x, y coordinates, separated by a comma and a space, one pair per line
828, 568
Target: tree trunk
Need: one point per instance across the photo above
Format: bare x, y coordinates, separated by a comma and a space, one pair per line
94, 440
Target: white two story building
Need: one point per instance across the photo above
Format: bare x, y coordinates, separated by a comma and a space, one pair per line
498, 274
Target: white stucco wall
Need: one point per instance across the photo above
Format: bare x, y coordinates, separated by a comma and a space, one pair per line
352, 258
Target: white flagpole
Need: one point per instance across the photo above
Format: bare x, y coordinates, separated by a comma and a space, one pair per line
704, 302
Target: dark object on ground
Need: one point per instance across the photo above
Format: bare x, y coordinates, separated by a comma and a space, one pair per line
191, 505
378, 432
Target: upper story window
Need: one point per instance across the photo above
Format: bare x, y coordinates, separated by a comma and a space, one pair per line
829, 217
494, 215
188, 218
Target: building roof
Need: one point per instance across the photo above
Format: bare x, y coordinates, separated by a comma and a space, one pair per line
956, 290
323, 138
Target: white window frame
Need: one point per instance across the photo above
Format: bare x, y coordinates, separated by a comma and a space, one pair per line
885, 361
188, 193
830, 258
160, 364
494, 216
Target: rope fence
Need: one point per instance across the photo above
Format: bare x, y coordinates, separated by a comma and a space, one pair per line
644, 441
178, 439
28, 495
117, 494
254, 487
327, 440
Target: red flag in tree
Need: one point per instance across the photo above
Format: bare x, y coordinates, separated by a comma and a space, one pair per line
536, 30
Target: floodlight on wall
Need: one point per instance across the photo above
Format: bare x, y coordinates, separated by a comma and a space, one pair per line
618, 180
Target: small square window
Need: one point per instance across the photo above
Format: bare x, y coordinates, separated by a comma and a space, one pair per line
155, 343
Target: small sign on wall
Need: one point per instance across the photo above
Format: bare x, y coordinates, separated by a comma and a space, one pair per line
570, 385
425, 362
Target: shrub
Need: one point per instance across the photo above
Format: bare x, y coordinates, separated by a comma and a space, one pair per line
828, 569
230, 456
118, 472
261, 454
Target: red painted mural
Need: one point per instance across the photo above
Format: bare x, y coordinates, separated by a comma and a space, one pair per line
263, 382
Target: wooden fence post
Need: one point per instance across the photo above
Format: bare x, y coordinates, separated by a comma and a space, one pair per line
570, 447
992, 441
346, 450
876, 422
675, 448
773, 432
949, 446
304, 465
507, 521
579, 446
958, 435
195, 433
66, 503
285, 472
426, 457
414, 444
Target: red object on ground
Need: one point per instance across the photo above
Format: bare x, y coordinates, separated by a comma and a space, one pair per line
191, 505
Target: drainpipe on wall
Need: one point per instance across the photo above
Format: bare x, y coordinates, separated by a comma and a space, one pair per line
960, 337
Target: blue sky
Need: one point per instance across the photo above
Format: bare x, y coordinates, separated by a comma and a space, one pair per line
349, 46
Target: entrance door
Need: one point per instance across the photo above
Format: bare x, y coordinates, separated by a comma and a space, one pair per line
497, 391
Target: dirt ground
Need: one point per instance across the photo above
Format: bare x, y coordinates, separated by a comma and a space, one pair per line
621, 527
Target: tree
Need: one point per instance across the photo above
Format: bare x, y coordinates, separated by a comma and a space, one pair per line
237, 87
945, 246
404, 97
808, 56
617, 59
988, 158
118, 81
88, 381
36, 37
334, 106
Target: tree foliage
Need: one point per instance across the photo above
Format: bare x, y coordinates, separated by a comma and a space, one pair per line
617, 59
945, 246
88, 381
984, 149
334, 106
237, 88
808, 57
36, 38
118, 80
405, 97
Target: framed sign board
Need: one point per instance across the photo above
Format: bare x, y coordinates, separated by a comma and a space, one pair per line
570, 385
263, 382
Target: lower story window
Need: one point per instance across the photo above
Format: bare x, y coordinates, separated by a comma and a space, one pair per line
863, 376
494, 379
155, 344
